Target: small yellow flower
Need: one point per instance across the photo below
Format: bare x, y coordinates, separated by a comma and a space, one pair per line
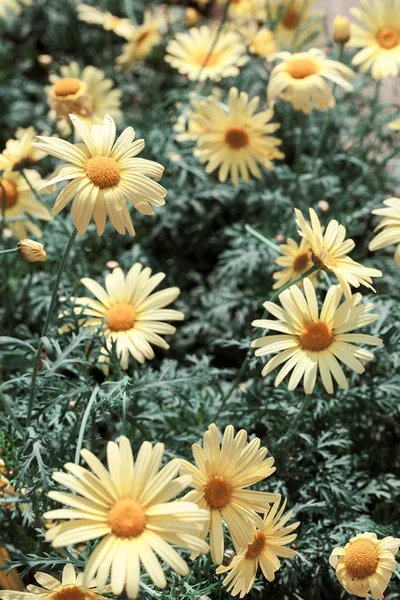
90, 14
190, 53
395, 125
19, 152
141, 40
341, 29
13, 6
263, 43
31, 251
296, 260
297, 23
365, 565
300, 79
310, 340
378, 36
192, 16
390, 225
269, 543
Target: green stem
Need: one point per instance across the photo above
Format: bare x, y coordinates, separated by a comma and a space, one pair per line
84, 422
11, 251
47, 323
221, 25
3, 208
11, 414
300, 145
263, 239
289, 284
34, 192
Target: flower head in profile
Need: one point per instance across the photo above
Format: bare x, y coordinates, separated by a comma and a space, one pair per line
310, 340
300, 79
105, 174
142, 39
329, 252
14, 6
128, 314
268, 545
19, 152
365, 565
85, 93
31, 251
234, 138
390, 228
90, 14
19, 201
378, 36
194, 54
128, 506
296, 259
296, 24
69, 588
223, 472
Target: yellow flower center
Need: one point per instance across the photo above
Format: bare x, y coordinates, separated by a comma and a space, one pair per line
66, 86
121, 317
68, 592
10, 190
257, 546
300, 68
236, 138
103, 171
361, 559
388, 37
316, 336
301, 262
291, 18
127, 518
217, 492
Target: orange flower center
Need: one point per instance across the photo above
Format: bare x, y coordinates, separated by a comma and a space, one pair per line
127, 518
103, 171
257, 546
361, 559
121, 317
217, 492
66, 86
69, 592
300, 68
316, 336
301, 262
388, 37
10, 190
236, 138
291, 18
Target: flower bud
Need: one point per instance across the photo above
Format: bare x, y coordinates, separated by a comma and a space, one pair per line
341, 29
31, 251
192, 16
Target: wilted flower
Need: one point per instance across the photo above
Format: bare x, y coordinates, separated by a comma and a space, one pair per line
31, 251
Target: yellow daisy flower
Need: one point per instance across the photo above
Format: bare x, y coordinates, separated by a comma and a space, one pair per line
90, 14
390, 225
219, 480
246, 9
188, 53
130, 507
378, 37
330, 249
142, 40
296, 260
70, 588
310, 339
262, 42
234, 138
267, 546
20, 202
296, 23
128, 314
19, 151
85, 93
394, 125
105, 175
14, 6
300, 79
365, 565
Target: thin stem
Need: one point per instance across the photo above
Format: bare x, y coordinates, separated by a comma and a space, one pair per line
300, 145
289, 284
3, 208
10, 251
221, 25
47, 323
11, 414
84, 423
34, 192
263, 239
234, 384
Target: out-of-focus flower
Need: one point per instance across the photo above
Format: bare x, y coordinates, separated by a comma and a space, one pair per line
85, 93
394, 125
45, 60
142, 39
31, 251
378, 37
192, 16
19, 151
296, 260
246, 10
262, 42
106, 174
90, 14
341, 29
190, 54
365, 565
390, 225
297, 23
14, 6
300, 79
19, 201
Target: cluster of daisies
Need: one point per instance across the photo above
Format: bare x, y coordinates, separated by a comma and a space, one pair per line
135, 511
